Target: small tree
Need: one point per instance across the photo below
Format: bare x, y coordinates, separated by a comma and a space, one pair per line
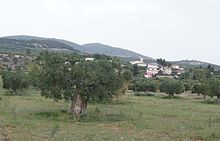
135, 70
143, 85
15, 81
163, 62
200, 88
214, 88
187, 86
151, 86
126, 76
201, 74
172, 87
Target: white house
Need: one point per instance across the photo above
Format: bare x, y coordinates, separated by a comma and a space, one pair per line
152, 69
139, 63
89, 59
178, 70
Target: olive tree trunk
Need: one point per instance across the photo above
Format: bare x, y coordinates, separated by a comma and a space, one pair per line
78, 106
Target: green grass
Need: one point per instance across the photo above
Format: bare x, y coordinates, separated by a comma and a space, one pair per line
130, 118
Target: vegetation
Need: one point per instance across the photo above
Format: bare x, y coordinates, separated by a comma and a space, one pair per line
113, 113
144, 85
135, 70
200, 88
32, 117
15, 81
172, 87
163, 62
64, 76
214, 88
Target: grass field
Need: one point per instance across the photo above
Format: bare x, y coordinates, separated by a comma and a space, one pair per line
129, 118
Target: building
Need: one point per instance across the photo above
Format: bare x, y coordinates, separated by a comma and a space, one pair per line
177, 70
89, 59
166, 70
139, 63
155, 70
152, 70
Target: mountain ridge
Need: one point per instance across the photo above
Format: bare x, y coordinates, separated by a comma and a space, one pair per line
90, 48
35, 43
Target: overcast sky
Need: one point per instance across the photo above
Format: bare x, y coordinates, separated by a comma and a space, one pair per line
170, 29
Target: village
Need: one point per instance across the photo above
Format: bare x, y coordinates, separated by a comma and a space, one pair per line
158, 70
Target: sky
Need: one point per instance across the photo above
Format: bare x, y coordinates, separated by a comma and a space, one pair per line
170, 29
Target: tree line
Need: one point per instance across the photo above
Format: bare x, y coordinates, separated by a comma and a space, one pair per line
201, 81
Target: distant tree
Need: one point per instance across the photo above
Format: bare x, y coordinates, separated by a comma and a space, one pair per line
126, 77
171, 87
197, 88
101, 56
186, 75
211, 68
214, 88
163, 62
200, 88
152, 86
201, 74
143, 85
15, 81
135, 70
187, 86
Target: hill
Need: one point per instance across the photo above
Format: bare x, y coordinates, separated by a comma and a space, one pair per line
195, 63
94, 48
23, 42
36, 44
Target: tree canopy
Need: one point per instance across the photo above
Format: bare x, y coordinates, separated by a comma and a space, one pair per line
163, 62
62, 76
15, 80
214, 88
171, 87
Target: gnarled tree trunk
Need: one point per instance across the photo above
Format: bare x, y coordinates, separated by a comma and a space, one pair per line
78, 105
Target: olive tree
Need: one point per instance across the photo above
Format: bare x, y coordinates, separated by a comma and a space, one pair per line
143, 85
200, 88
214, 88
171, 87
69, 76
15, 80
